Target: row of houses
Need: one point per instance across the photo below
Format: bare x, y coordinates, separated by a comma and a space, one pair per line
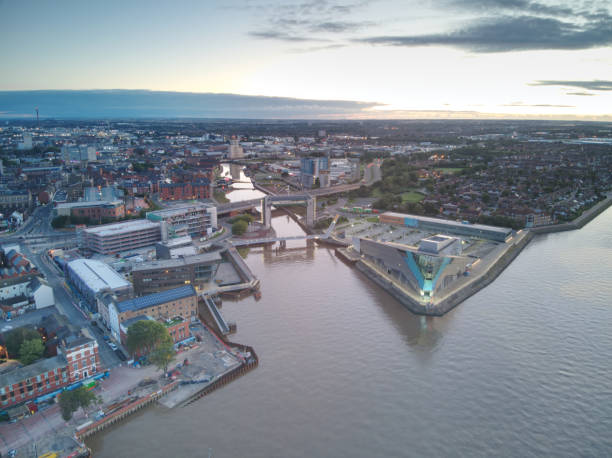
21, 284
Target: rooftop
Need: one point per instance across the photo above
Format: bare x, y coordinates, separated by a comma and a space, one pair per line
214, 256
151, 300
90, 203
178, 241
179, 210
457, 224
32, 370
97, 275
122, 228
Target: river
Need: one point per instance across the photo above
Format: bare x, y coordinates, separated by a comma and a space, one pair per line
520, 369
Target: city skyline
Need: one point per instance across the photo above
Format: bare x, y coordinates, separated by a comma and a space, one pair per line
381, 59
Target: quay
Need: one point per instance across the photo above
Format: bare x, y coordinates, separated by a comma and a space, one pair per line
209, 368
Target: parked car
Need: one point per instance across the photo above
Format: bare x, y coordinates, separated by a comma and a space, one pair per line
112, 345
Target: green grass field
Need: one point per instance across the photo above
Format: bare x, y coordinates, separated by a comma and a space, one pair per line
412, 197
220, 197
449, 170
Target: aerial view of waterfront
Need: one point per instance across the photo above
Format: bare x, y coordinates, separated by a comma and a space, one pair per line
294, 228
520, 369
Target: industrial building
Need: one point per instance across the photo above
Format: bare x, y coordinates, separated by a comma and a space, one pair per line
153, 276
499, 234
196, 219
118, 237
91, 278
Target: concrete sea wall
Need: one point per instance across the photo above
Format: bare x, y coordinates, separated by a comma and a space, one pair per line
579, 222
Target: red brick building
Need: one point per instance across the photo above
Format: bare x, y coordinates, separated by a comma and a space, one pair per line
198, 189
178, 328
77, 359
107, 211
96, 210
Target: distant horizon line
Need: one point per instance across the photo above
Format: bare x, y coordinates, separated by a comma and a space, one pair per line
149, 104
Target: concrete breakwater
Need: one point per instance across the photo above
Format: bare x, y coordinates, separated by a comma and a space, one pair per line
454, 299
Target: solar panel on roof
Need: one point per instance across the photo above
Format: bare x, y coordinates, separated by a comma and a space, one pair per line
162, 297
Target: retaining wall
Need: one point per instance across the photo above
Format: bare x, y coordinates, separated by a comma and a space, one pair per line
228, 377
124, 412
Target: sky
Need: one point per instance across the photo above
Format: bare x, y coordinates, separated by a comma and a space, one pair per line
412, 59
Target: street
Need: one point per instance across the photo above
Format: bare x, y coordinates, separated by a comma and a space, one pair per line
39, 225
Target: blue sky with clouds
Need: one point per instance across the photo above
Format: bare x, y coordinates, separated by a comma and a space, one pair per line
408, 58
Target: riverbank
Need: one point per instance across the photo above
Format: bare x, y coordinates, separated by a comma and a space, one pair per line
211, 365
488, 274
579, 222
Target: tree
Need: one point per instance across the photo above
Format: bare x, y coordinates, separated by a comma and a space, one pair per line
16, 337
162, 355
143, 336
31, 350
71, 401
59, 221
239, 227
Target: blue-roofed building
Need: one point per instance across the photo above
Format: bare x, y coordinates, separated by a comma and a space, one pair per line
181, 301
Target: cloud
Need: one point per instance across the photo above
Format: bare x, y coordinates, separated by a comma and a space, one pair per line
316, 48
546, 105
513, 5
270, 35
510, 33
339, 26
314, 20
595, 85
584, 94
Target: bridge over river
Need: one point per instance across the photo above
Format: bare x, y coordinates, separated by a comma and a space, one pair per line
264, 240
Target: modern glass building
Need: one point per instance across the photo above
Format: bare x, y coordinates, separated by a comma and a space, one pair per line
426, 271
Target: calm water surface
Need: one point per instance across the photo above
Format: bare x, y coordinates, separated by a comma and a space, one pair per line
520, 369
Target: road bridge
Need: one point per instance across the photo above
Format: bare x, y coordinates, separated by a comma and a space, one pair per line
264, 204
224, 209
264, 240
